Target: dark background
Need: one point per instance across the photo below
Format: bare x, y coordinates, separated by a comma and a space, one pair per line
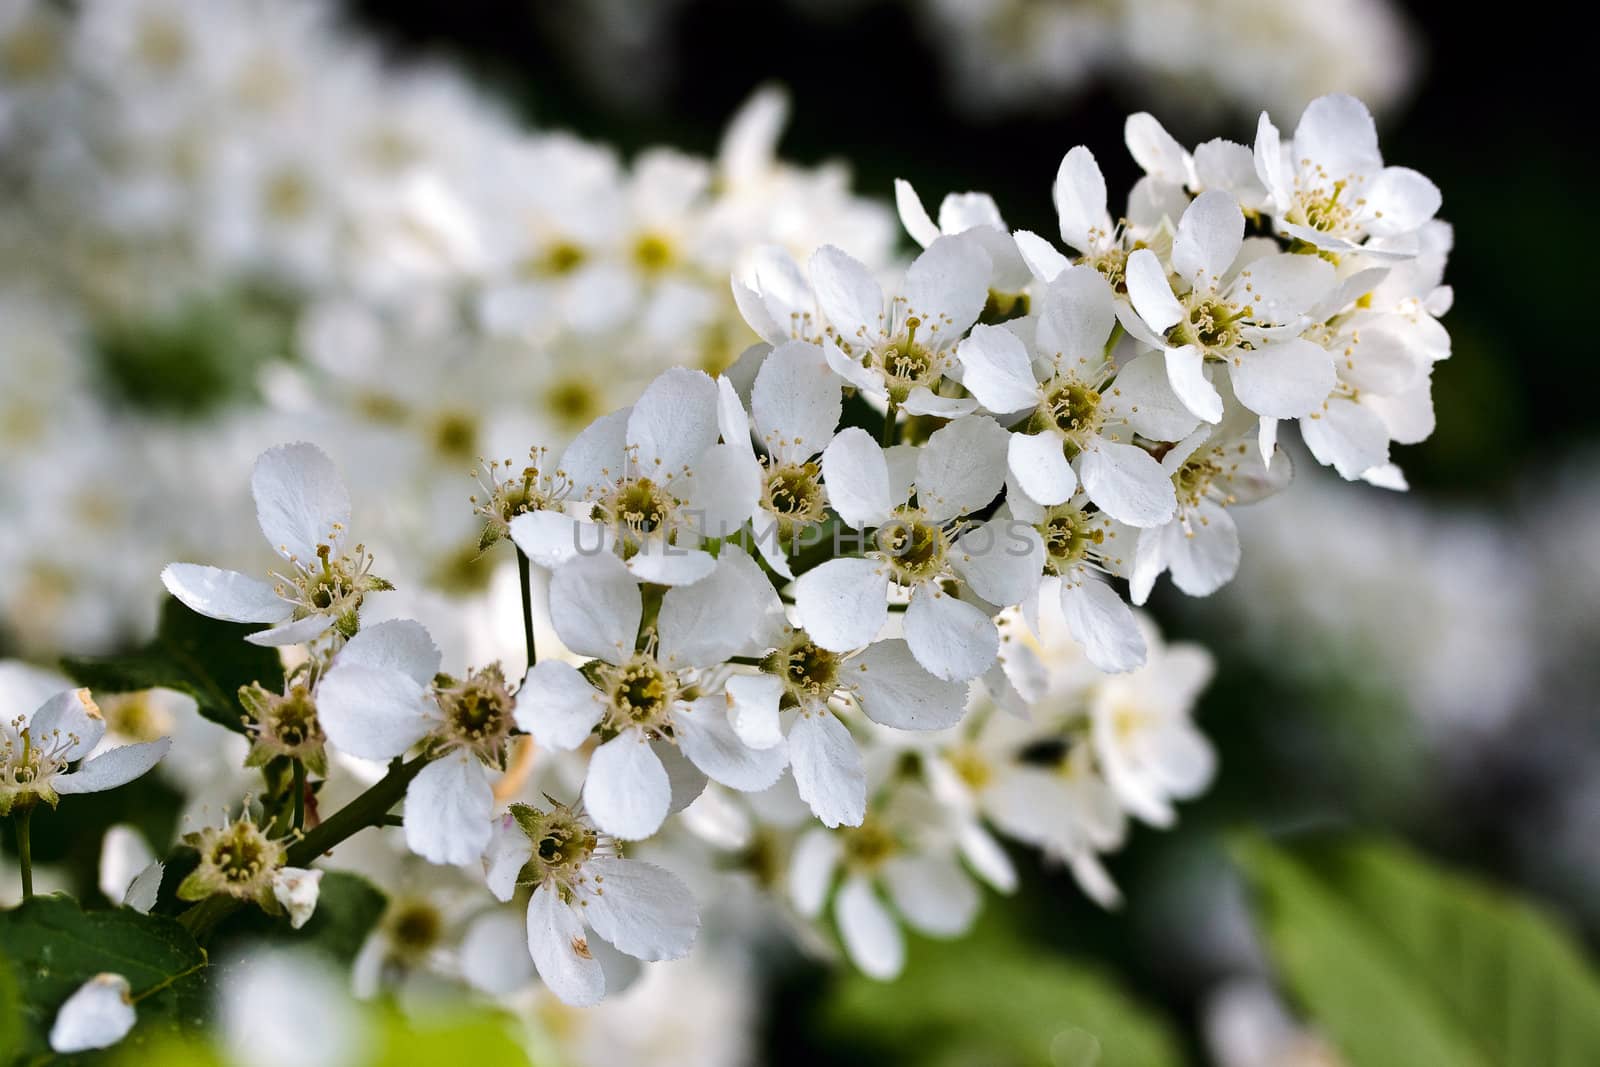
1489, 122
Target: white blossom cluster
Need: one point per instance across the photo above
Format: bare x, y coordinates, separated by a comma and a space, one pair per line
420, 278
855, 661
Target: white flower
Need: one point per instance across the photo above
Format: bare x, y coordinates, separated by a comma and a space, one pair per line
304, 510
259, 991
579, 881
384, 695
975, 214
1330, 188
1237, 304
98, 1015
40, 743
906, 849
884, 679
918, 547
297, 890
1213, 470
129, 873
899, 349
641, 692
1074, 413
1144, 740
655, 480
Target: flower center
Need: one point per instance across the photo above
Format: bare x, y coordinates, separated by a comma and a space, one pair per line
913, 547
1213, 324
794, 495
1069, 537
908, 363
332, 586
639, 692
1070, 407
27, 765
867, 846
653, 253
810, 674
971, 767
562, 842
477, 712
238, 857
415, 927
635, 508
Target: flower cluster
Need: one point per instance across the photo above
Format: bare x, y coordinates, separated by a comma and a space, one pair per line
763, 614
229, 223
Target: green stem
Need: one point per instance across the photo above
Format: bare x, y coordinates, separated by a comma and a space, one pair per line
24, 822
369, 809
527, 607
299, 795
886, 437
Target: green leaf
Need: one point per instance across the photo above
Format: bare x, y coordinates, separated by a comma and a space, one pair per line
1404, 965
11, 1026
208, 659
478, 1038
56, 947
995, 1000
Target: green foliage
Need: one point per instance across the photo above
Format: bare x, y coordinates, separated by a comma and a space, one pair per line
11, 1026
1404, 965
477, 1038
208, 659
56, 947
991, 1000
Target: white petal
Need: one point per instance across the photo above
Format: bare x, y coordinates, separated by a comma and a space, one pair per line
558, 706
850, 370
560, 950
69, 721
112, 768
811, 867
143, 890
952, 639
1042, 258
1145, 398
1077, 315
857, 478
913, 216
1206, 559
662, 563
732, 422
1346, 436
226, 595
1080, 198
627, 791
1156, 151
1280, 287
843, 603
828, 769
549, 538
987, 857
1039, 464
706, 737
1210, 235
1400, 200
402, 645
703, 624
1186, 374
895, 690
1001, 560
595, 457
1103, 624
753, 709
998, 370
1271, 166
922, 401
725, 490
97, 1015
297, 890
1127, 483
1337, 134
796, 400
372, 713
962, 468
933, 893
1150, 291
948, 284
494, 954
869, 932
1222, 164
849, 298
508, 852
596, 607
301, 502
447, 810
292, 633
644, 910
1283, 379
674, 421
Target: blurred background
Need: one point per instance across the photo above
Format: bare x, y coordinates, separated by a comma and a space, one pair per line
1415, 668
